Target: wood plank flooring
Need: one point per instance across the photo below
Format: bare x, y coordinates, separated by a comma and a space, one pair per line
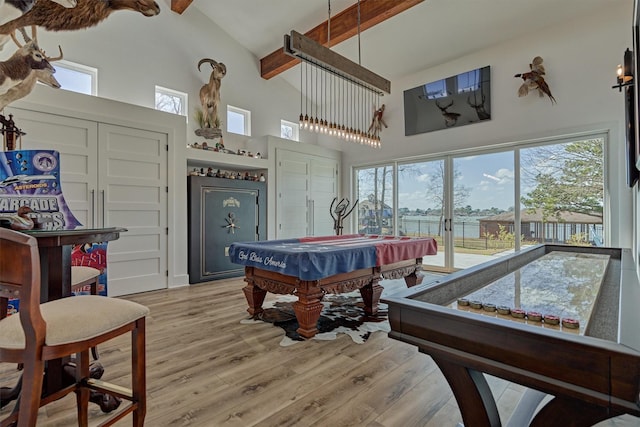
205, 368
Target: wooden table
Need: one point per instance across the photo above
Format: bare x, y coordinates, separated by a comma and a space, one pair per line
310, 267
592, 375
54, 247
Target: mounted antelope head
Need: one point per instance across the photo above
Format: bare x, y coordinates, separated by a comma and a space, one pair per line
19, 65
25, 87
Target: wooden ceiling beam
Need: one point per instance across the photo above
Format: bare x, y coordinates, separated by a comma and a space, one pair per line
180, 6
344, 25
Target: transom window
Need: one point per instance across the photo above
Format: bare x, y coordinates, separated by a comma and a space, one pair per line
76, 77
289, 130
238, 120
171, 101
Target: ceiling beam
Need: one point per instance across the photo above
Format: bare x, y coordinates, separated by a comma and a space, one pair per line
180, 6
344, 25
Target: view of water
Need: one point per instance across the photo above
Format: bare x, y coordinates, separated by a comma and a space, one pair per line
468, 226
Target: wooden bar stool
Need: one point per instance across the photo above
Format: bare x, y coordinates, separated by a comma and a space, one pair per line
82, 276
60, 328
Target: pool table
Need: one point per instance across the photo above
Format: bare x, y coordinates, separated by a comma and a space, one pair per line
589, 365
309, 267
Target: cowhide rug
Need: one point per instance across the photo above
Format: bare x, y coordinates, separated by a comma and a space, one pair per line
341, 314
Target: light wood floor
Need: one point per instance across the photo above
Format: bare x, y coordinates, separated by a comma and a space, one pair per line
207, 369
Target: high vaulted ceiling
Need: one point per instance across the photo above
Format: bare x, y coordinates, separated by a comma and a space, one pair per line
425, 35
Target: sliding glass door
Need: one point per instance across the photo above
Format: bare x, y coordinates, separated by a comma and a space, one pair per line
375, 191
484, 205
422, 204
483, 195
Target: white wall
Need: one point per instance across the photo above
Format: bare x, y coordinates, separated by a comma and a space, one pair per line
580, 58
134, 53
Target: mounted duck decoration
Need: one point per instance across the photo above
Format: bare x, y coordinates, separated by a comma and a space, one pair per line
533, 79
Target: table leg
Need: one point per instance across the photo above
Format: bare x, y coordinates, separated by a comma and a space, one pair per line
370, 294
556, 413
255, 297
308, 309
477, 405
414, 278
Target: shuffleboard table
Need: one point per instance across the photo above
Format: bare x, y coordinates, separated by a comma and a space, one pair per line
312, 266
559, 320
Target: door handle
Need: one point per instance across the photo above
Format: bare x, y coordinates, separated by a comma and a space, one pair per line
103, 210
93, 208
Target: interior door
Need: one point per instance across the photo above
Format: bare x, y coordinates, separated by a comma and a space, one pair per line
324, 184
292, 210
76, 140
132, 177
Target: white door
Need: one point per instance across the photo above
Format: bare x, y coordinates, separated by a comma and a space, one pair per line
132, 177
324, 188
76, 140
292, 210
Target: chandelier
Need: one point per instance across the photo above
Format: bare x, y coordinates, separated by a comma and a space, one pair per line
338, 97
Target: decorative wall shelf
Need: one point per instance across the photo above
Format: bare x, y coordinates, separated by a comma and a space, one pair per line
207, 158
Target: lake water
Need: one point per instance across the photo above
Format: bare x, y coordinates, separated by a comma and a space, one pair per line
468, 226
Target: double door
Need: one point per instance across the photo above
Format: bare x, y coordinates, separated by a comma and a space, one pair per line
307, 184
112, 175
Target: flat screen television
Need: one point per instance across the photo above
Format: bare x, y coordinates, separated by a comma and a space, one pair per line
452, 102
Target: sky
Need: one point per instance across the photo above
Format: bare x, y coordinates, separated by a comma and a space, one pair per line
489, 179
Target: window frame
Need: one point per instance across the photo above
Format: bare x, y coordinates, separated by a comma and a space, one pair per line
75, 67
175, 93
295, 127
247, 119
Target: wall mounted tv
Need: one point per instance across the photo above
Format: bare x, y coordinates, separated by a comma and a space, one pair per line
452, 102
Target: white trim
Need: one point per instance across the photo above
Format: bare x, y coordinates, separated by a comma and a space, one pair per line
247, 119
83, 69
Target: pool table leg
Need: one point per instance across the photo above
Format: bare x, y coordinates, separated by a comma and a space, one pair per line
307, 309
370, 294
255, 297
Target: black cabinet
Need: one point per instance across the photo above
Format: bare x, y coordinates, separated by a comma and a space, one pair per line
222, 211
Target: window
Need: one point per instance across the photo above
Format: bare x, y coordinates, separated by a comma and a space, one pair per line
483, 204
289, 130
238, 120
171, 101
375, 195
77, 77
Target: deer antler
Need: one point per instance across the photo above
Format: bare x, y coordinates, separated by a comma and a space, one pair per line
15, 39
57, 58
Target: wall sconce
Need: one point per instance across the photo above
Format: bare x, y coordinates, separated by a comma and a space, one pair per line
625, 71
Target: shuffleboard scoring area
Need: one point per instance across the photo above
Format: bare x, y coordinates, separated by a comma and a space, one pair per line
556, 287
